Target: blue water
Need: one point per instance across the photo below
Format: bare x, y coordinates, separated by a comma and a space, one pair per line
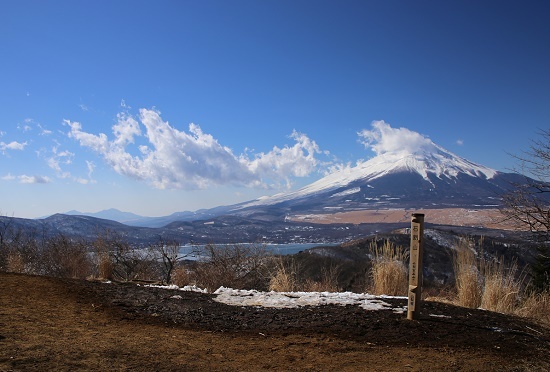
193, 251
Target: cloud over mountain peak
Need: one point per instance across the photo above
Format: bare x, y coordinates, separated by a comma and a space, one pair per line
382, 139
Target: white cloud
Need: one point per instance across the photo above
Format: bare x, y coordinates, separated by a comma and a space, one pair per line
124, 105
91, 168
33, 179
385, 139
28, 126
297, 161
193, 159
60, 158
14, 145
459, 142
82, 181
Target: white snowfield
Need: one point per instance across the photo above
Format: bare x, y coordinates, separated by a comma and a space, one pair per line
240, 297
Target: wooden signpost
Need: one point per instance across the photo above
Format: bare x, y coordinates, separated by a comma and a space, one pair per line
415, 265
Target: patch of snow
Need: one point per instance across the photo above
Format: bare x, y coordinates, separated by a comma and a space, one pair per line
440, 316
443, 239
188, 288
347, 192
239, 297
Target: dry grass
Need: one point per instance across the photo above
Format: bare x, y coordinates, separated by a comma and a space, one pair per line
181, 276
104, 266
389, 270
535, 306
468, 275
327, 283
15, 263
502, 287
289, 278
496, 286
285, 277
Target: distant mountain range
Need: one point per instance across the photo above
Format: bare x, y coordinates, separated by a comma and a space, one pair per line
429, 177
109, 214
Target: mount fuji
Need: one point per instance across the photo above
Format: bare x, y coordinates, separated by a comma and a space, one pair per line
427, 176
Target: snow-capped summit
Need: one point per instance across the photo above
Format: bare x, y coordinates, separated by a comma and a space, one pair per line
427, 161
420, 175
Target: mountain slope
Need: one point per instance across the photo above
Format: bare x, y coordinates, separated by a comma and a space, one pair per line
110, 214
428, 177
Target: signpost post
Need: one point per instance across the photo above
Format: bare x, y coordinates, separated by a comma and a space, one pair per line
415, 265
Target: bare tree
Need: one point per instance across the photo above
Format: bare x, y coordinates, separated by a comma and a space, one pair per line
168, 253
65, 258
528, 204
127, 262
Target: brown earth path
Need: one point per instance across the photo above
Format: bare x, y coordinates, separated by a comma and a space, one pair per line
51, 324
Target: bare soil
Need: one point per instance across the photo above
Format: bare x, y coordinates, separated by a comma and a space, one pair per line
61, 324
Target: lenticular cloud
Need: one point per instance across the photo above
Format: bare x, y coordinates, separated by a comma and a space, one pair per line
385, 139
170, 158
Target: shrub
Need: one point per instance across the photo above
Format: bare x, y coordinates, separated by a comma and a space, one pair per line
389, 269
128, 262
15, 263
181, 276
66, 258
239, 266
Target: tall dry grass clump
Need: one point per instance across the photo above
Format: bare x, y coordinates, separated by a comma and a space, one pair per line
536, 306
468, 275
285, 278
496, 286
104, 266
328, 281
389, 269
502, 286
288, 276
181, 276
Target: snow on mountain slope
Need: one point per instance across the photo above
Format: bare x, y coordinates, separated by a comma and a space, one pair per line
428, 160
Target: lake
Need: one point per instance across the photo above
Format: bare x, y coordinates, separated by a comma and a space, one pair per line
282, 249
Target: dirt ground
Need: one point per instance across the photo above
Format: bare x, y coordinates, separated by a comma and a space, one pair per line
60, 324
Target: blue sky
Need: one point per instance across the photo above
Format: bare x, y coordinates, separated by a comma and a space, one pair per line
155, 107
